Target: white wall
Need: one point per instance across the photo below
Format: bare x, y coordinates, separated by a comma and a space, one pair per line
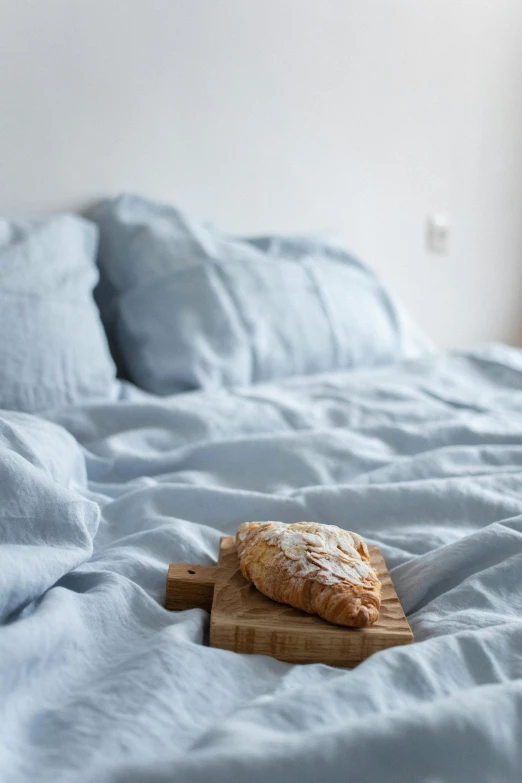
360, 116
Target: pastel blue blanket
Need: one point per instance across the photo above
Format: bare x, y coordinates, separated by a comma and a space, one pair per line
99, 683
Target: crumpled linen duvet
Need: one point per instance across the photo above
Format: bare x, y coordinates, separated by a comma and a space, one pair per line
98, 682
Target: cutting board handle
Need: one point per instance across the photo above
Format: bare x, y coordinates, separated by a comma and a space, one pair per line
190, 586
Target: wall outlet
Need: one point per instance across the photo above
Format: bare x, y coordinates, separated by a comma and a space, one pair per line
438, 234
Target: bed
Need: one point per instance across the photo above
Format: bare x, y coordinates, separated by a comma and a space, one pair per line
421, 455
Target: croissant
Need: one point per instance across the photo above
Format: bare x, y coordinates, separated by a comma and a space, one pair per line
320, 569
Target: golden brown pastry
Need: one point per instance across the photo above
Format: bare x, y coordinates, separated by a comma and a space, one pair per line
320, 569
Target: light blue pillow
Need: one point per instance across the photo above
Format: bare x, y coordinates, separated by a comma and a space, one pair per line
53, 350
188, 307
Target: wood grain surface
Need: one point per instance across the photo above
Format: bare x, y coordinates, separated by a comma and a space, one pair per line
190, 586
246, 621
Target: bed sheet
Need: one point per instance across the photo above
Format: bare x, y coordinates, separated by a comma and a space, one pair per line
98, 682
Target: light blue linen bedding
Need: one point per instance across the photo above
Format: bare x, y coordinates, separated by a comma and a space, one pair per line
99, 683
53, 350
187, 307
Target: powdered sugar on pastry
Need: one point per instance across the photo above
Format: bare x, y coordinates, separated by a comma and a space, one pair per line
326, 553
319, 569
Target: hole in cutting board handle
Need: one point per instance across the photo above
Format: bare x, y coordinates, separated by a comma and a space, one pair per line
190, 572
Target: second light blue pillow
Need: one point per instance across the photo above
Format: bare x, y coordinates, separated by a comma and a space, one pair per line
187, 307
53, 350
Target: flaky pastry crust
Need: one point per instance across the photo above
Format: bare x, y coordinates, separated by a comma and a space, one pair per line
320, 569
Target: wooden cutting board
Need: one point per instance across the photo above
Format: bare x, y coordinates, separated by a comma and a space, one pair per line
244, 620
